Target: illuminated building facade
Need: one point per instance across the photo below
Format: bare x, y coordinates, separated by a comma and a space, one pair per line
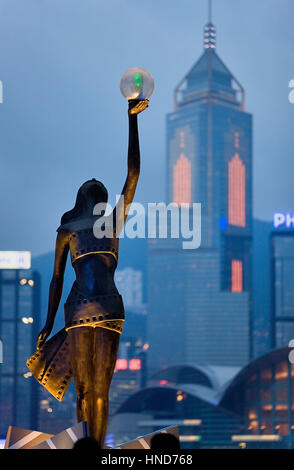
263, 393
184, 396
19, 312
216, 406
282, 282
199, 300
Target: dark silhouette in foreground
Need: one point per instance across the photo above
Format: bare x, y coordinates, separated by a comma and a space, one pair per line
165, 441
88, 444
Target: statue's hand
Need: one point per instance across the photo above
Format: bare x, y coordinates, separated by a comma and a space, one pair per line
137, 106
43, 335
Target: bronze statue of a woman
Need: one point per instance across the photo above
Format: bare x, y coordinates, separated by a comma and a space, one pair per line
87, 347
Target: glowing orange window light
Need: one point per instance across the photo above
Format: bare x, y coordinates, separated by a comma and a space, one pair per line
121, 364
237, 275
252, 415
281, 407
182, 180
236, 192
135, 364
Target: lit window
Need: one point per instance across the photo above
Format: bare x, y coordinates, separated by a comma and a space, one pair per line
27, 320
121, 364
252, 414
27, 375
135, 364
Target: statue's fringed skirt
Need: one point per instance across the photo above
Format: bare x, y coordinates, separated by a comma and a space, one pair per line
50, 364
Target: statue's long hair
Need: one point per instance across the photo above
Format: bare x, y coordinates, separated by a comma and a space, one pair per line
80, 206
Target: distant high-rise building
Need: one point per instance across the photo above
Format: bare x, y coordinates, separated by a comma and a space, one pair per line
199, 300
19, 312
261, 286
129, 282
282, 287
130, 373
126, 381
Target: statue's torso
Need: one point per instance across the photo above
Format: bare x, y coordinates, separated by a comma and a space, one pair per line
83, 242
94, 261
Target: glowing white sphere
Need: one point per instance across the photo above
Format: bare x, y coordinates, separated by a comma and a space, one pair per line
137, 84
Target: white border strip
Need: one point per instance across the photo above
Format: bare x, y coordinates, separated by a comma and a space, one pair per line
72, 435
144, 444
22, 442
51, 444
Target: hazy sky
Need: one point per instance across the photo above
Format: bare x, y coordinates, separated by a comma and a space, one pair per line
64, 120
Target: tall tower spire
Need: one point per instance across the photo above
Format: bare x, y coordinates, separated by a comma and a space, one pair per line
209, 10
209, 30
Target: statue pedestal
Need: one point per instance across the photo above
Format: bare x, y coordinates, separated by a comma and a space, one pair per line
143, 442
18, 438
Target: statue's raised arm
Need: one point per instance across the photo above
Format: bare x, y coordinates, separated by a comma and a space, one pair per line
121, 210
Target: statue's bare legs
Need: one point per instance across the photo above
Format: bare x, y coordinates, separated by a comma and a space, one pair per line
93, 356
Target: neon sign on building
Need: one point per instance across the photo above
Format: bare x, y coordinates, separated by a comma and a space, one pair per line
237, 275
236, 196
15, 260
182, 180
283, 219
124, 364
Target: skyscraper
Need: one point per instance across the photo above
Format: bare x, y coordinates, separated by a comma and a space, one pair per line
19, 311
129, 282
261, 286
282, 282
130, 372
199, 300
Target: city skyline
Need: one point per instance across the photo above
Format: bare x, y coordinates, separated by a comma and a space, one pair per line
53, 110
206, 345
